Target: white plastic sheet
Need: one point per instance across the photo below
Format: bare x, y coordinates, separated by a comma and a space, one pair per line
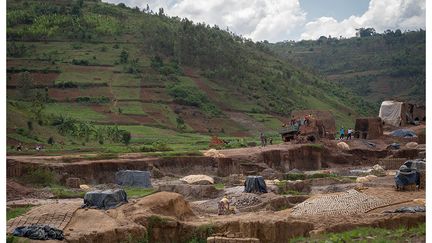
390, 112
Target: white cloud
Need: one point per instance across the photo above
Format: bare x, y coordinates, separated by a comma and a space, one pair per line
381, 15
271, 20
277, 20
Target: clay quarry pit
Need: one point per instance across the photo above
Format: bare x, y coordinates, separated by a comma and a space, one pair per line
327, 196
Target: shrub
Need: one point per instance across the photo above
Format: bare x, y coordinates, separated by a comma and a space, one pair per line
294, 176
30, 125
80, 62
66, 85
93, 100
40, 176
189, 95
126, 137
50, 140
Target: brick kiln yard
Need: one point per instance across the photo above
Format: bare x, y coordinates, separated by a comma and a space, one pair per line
331, 201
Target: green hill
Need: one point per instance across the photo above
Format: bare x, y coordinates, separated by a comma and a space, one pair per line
89, 75
376, 66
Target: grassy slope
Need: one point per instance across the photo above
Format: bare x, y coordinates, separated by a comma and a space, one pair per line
140, 102
380, 67
367, 234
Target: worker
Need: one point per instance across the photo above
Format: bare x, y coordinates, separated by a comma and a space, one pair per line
342, 133
271, 141
263, 139
223, 206
349, 133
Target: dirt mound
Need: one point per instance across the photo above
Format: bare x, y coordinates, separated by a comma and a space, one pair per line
162, 203
192, 192
93, 225
16, 191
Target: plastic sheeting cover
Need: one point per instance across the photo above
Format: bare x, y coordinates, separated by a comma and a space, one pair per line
403, 133
39, 232
390, 112
105, 199
134, 178
255, 184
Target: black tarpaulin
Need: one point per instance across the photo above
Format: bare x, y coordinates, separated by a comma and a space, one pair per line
135, 178
105, 199
255, 184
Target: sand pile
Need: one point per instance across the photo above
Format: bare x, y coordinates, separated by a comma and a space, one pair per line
213, 153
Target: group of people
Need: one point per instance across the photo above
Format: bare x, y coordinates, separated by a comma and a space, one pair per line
347, 134
263, 139
20, 147
306, 120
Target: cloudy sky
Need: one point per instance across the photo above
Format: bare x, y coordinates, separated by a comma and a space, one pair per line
278, 20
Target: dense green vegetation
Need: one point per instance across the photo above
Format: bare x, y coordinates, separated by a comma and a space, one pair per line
92, 76
390, 65
368, 234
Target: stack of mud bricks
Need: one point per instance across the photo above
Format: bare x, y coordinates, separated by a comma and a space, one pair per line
13, 169
220, 239
392, 163
423, 179
73, 182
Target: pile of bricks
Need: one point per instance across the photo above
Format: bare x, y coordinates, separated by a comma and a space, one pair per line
221, 239
392, 163
350, 202
55, 215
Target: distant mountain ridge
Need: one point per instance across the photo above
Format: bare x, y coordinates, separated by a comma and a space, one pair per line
375, 66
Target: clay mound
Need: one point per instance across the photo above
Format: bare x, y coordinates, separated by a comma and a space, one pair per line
17, 191
168, 204
411, 145
192, 192
343, 146
198, 179
213, 153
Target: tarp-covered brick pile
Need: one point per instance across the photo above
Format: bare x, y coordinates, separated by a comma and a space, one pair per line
105, 199
135, 178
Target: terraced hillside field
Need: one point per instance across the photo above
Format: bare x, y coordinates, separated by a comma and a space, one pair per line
92, 76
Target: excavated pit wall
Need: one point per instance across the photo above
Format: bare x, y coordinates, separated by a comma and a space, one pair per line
303, 157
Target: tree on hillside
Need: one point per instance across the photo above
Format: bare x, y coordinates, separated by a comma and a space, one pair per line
180, 123
161, 12
126, 137
124, 56
38, 104
366, 32
24, 85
